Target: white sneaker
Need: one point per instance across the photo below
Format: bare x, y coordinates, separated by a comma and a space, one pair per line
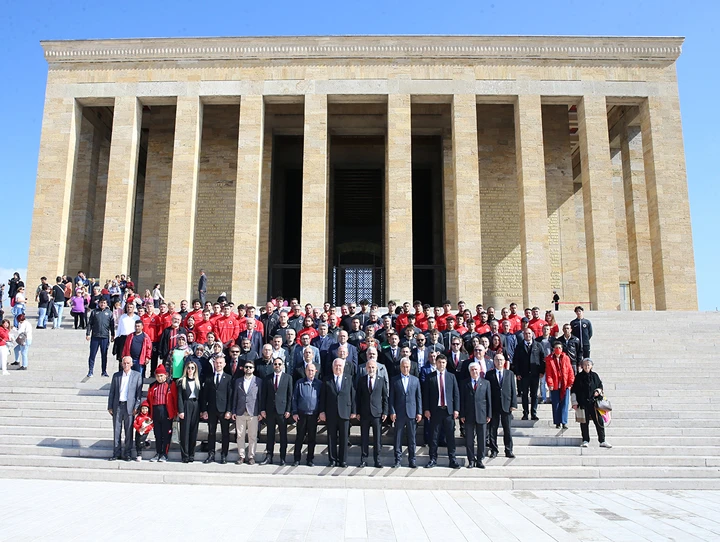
6, 372
138, 458
585, 444
605, 445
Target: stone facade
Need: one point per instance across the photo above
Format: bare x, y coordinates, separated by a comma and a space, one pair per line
180, 178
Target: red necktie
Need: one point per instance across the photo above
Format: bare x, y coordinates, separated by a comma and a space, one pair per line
475, 386
235, 364
442, 391
276, 381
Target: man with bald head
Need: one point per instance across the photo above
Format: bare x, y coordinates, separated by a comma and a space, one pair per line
343, 341
372, 408
337, 408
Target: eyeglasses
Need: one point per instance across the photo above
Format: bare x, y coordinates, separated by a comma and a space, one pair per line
249, 366
277, 364
234, 351
456, 344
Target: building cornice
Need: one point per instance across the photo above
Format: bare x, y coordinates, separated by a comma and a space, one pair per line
632, 50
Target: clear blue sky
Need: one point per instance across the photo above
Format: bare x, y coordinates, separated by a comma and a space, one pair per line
23, 70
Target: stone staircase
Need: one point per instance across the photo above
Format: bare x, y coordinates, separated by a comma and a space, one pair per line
657, 368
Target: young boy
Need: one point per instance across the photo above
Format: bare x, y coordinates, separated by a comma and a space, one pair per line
162, 397
143, 424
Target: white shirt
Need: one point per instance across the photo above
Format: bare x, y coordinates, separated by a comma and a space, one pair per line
124, 385
440, 390
405, 380
126, 324
217, 377
191, 384
246, 383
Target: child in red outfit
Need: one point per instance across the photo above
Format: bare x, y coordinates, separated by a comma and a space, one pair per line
143, 424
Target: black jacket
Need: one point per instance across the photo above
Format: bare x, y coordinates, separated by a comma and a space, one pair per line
582, 329
375, 404
475, 404
431, 393
184, 394
218, 399
584, 386
528, 361
572, 348
503, 398
277, 403
338, 405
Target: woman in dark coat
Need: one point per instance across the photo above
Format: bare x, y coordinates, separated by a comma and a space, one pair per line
587, 388
188, 393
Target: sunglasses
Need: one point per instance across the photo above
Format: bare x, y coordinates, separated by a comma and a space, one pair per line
249, 367
277, 364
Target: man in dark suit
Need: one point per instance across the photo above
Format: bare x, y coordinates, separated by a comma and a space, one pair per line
202, 287
216, 404
372, 409
504, 401
441, 404
299, 353
529, 365
405, 410
475, 413
256, 339
277, 397
343, 341
123, 403
308, 356
337, 408
456, 358
392, 355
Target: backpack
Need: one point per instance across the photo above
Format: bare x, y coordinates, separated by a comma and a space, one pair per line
21, 339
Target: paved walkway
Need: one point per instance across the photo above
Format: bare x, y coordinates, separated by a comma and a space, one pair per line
63, 510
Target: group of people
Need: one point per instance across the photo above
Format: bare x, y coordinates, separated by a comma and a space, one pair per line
287, 364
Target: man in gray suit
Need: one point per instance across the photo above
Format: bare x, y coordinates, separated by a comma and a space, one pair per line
246, 407
123, 404
405, 410
475, 413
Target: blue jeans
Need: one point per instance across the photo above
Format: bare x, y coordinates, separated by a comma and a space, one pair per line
42, 317
17, 310
543, 389
21, 351
59, 310
95, 344
559, 406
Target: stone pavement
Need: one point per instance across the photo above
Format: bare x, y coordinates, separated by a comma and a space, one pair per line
65, 510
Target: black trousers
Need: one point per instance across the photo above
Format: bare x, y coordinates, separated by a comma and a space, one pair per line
504, 418
189, 429
306, 425
401, 423
273, 421
591, 414
471, 430
154, 358
162, 426
585, 351
213, 419
338, 433
366, 422
528, 388
79, 320
442, 422
140, 442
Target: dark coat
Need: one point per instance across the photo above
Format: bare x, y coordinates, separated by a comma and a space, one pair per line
216, 399
405, 404
431, 393
475, 404
338, 404
503, 398
528, 360
375, 404
277, 402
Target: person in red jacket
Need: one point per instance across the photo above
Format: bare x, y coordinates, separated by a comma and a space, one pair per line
162, 399
196, 313
226, 328
203, 327
139, 347
536, 323
559, 377
402, 319
143, 424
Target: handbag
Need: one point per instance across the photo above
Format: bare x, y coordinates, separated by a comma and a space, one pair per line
603, 403
580, 415
21, 339
175, 432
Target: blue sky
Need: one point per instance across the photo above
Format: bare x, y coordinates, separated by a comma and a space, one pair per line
23, 70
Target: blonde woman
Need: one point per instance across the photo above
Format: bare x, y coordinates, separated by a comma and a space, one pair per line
188, 392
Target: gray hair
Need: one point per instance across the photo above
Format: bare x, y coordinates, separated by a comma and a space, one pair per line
474, 364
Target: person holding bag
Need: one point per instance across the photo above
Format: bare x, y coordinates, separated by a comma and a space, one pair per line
587, 388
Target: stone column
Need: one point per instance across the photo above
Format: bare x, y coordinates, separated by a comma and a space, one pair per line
247, 199
121, 183
315, 203
398, 200
668, 207
179, 281
600, 230
264, 250
638, 223
451, 275
530, 160
467, 199
53, 189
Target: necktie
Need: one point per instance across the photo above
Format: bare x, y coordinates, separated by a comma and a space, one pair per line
217, 380
370, 384
442, 390
277, 377
500, 377
474, 385
337, 383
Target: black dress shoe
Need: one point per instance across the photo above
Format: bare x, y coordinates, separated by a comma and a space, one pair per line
331, 464
431, 464
282, 462
362, 465
191, 460
113, 458
209, 459
223, 459
557, 426
310, 464
510, 455
267, 461
378, 465
469, 465
534, 417
185, 460
525, 417
296, 463
564, 426
413, 465
396, 464
454, 465
127, 458
479, 464
343, 465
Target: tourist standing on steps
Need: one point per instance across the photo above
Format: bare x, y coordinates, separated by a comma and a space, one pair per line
22, 336
529, 365
100, 332
4, 339
58, 300
587, 388
582, 329
125, 328
163, 401
189, 388
123, 404
202, 287
503, 392
560, 377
